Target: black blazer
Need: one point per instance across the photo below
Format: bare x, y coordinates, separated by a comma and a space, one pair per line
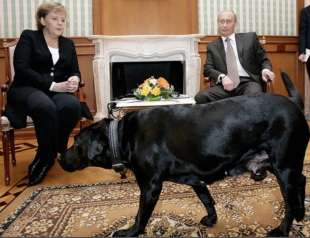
33, 65
252, 57
304, 30
33, 61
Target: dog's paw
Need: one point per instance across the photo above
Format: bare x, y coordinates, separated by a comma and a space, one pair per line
277, 232
208, 221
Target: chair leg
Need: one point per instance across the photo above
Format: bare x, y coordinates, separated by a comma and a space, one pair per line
12, 147
82, 124
6, 156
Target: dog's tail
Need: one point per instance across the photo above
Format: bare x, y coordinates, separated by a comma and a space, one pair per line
292, 91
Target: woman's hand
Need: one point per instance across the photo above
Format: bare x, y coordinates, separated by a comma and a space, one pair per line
73, 82
69, 86
62, 87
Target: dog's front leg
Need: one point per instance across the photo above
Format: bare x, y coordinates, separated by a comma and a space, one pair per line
148, 198
205, 197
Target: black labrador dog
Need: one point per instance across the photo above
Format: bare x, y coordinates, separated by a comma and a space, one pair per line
198, 145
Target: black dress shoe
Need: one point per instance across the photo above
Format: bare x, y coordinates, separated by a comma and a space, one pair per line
259, 175
33, 164
39, 172
119, 167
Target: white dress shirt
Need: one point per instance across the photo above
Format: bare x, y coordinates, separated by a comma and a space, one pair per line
241, 71
55, 57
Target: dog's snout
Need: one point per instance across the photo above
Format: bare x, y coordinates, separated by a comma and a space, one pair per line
69, 160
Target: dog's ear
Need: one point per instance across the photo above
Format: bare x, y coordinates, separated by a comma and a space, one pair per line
101, 126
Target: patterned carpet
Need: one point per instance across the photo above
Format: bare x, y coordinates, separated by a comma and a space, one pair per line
244, 207
18, 182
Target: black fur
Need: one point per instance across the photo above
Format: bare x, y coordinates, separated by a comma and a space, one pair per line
197, 145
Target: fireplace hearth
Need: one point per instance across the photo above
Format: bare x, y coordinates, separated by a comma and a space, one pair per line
176, 55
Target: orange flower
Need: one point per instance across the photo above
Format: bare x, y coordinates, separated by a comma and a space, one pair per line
163, 83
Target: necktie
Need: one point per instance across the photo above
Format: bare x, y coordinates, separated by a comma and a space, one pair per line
232, 68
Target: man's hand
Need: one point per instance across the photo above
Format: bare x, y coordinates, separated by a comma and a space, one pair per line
302, 58
227, 83
268, 75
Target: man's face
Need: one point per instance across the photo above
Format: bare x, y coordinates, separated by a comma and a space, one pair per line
226, 23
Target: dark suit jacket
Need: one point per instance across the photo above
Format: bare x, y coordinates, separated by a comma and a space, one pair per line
304, 30
251, 55
34, 67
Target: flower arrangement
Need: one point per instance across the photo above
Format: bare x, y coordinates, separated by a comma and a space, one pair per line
153, 89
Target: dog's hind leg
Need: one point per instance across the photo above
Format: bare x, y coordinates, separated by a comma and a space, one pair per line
293, 196
292, 184
150, 192
205, 197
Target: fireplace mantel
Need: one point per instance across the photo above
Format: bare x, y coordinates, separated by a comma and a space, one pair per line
143, 48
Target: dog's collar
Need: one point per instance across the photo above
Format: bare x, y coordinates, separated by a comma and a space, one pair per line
114, 143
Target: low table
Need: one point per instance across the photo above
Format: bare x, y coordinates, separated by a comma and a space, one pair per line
125, 105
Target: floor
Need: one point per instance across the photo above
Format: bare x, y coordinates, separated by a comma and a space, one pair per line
56, 176
11, 196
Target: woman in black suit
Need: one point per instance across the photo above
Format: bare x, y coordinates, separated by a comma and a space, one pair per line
46, 76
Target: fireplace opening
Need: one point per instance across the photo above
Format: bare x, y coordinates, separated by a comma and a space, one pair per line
126, 76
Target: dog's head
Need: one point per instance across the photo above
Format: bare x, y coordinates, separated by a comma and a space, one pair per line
90, 148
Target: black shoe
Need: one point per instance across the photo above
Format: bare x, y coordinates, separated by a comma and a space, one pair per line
39, 171
119, 167
33, 164
259, 175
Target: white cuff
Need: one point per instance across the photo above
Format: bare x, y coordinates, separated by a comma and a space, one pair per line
220, 78
52, 86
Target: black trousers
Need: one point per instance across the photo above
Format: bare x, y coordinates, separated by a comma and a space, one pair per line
217, 92
54, 116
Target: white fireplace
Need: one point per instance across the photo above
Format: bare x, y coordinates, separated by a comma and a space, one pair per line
143, 48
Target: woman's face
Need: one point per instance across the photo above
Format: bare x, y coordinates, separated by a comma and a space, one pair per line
54, 23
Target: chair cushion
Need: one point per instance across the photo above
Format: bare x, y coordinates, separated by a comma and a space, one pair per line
6, 125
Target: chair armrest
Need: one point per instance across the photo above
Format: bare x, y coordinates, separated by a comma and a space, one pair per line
79, 93
81, 84
208, 81
4, 90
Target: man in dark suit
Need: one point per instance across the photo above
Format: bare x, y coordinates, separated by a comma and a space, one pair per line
304, 36
236, 63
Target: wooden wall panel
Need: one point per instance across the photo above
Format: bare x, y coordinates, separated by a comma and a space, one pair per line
86, 52
136, 17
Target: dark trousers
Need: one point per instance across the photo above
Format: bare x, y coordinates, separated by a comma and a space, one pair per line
217, 92
54, 116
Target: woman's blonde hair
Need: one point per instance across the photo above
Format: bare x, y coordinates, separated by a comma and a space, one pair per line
46, 8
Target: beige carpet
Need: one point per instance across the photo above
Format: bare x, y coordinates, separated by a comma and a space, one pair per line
245, 208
